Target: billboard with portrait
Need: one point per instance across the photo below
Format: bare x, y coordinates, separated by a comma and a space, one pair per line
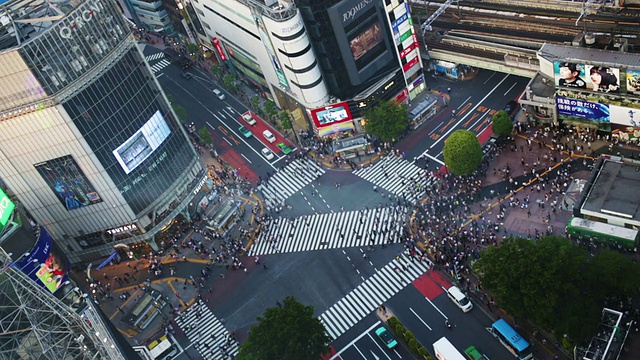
330, 115
583, 109
143, 143
633, 82
365, 41
68, 182
45, 264
588, 77
625, 116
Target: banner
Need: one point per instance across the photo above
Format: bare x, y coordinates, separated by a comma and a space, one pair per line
633, 82
583, 109
625, 116
588, 77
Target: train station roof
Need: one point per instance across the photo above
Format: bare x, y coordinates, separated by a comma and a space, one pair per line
608, 58
614, 190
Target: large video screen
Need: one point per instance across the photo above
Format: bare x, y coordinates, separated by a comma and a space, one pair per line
68, 182
330, 115
587, 77
633, 82
366, 40
51, 268
143, 143
583, 109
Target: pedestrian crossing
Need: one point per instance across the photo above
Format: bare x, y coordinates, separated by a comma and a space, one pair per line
155, 56
207, 333
288, 180
372, 293
332, 230
160, 65
399, 177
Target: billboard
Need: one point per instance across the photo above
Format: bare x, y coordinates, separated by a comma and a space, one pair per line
330, 115
68, 182
583, 109
365, 41
588, 77
6, 209
625, 116
268, 45
143, 143
45, 264
633, 82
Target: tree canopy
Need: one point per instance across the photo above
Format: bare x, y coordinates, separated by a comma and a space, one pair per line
205, 136
501, 123
555, 284
286, 332
387, 120
462, 152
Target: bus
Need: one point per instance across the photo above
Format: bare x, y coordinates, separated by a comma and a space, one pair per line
602, 232
444, 350
162, 349
515, 343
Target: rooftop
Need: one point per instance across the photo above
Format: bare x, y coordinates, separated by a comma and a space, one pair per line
607, 58
614, 190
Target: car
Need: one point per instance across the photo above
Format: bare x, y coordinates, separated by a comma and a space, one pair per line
284, 148
460, 299
186, 75
268, 154
218, 94
248, 118
386, 337
269, 136
511, 108
473, 353
245, 132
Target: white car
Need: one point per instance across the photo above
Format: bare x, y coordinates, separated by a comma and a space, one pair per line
218, 93
249, 119
268, 154
269, 136
460, 299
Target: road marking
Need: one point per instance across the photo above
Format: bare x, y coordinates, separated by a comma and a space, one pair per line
379, 347
419, 318
225, 139
512, 86
234, 140
435, 307
486, 81
159, 75
355, 340
434, 159
246, 158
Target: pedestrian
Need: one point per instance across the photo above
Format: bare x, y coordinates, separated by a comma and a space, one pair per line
449, 90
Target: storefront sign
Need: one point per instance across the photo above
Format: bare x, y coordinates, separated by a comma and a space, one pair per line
200, 185
123, 228
351, 13
80, 19
216, 43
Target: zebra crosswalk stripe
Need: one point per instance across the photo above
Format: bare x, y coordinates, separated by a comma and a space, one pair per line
399, 177
288, 180
206, 332
331, 231
160, 65
154, 56
372, 293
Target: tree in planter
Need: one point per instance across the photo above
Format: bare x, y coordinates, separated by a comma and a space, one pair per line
285, 120
217, 71
289, 331
180, 111
387, 120
192, 48
205, 136
462, 152
229, 82
255, 102
271, 109
501, 123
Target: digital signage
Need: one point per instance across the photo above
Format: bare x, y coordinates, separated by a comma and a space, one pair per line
268, 45
143, 143
44, 263
583, 109
6, 209
365, 41
68, 182
633, 82
625, 116
330, 115
588, 77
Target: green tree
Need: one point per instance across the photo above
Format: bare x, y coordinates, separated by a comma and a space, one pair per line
387, 121
287, 332
255, 102
205, 136
501, 123
192, 48
271, 108
462, 152
217, 70
180, 111
229, 82
285, 120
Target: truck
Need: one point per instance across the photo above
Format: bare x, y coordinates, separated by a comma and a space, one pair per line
444, 350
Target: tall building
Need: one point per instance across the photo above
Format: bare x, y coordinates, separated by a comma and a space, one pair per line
89, 144
326, 61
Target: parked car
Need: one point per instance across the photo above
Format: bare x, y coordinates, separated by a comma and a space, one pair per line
245, 132
284, 148
268, 154
511, 108
269, 136
386, 337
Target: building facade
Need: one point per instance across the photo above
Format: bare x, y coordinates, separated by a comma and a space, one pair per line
325, 61
88, 141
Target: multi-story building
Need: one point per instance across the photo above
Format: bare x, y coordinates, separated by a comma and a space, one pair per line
89, 144
325, 61
152, 15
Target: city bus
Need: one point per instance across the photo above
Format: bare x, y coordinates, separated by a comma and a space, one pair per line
161, 349
515, 343
444, 350
602, 233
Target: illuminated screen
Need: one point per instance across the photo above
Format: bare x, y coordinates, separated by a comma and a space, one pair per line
365, 41
6, 209
143, 143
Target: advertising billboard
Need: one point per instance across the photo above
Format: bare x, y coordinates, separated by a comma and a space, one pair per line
268, 45
44, 263
68, 182
143, 143
588, 77
633, 82
216, 43
330, 115
6, 209
365, 41
583, 109
625, 116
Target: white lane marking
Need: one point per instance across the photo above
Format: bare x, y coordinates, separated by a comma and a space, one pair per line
486, 81
246, 158
419, 318
366, 332
225, 139
512, 86
379, 347
435, 307
434, 159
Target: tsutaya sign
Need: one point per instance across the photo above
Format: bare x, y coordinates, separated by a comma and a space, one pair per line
79, 18
6, 209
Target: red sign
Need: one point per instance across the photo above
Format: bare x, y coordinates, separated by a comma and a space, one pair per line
216, 43
408, 49
402, 97
331, 115
410, 64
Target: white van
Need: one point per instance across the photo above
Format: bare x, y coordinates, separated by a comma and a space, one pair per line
460, 299
249, 119
218, 93
269, 136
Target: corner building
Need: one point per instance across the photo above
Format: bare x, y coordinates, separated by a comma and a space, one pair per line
89, 144
326, 61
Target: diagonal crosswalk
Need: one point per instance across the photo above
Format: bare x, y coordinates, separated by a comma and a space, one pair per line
330, 231
207, 333
160, 65
372, 293
399, 177
155, 56
288, 180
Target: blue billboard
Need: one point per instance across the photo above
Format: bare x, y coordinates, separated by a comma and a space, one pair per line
583, 109
44, 265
